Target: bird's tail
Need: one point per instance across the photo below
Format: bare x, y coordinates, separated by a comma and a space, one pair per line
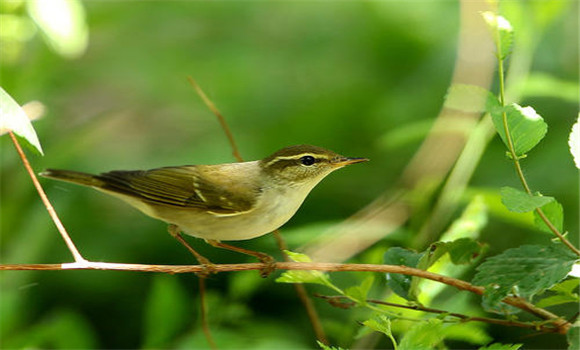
73, 177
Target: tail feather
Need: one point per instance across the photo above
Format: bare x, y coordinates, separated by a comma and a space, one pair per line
73, 177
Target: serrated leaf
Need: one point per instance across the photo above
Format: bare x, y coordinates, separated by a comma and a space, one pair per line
574, 142
554, 212
526, 127
399, 283
63, 23
13, 118
423, 335
523, 271
166, 301
328, 347
470, 98
502, 32
573, 336
500, 346
381, 324
521, 202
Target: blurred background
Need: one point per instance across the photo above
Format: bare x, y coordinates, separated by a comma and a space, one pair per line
365, 79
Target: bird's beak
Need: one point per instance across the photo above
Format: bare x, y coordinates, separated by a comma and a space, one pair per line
343, 161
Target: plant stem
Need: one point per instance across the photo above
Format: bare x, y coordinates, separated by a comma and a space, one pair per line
59, 226
512, 150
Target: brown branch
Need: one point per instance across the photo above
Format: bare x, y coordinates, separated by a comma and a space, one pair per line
517, 302
60, 227
204, 322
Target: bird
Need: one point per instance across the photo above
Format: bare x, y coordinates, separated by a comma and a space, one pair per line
220, 202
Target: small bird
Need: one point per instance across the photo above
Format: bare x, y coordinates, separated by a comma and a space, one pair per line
222, 202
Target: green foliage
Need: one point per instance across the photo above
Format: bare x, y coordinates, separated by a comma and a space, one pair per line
13, 118
470, 98
381, 324
499, 346
401, 284
297, 276
573, 336
502, 33
327, 347
555, 214
359, 293
525, 126
523, 271
425, 335
564, 294
521, 202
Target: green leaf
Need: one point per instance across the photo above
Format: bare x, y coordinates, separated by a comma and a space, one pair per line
423, 335
399, 283
167, 301
574, 142
13, 118
500, 346
381, 324
470, 98
297, 276
523, 271
503, 34
521, 202
526, 127
63, 23
554, 212
573, 336
297, 257
327, 347
565, 294
360, 293
464, 250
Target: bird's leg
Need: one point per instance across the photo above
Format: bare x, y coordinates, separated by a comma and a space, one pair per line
208, 266
268, 261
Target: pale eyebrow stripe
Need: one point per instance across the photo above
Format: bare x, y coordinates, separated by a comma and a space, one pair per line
298, 156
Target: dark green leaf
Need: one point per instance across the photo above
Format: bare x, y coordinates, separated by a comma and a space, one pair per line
400, 284
523, 271
554, 212
423, 335
526, 127
13, 118
521, 202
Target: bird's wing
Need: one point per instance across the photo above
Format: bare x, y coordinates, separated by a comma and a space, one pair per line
183, 187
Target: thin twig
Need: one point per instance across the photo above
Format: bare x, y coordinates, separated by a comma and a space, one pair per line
60, 227
405, 270
462, 317
300, 289
204, 320
220, 117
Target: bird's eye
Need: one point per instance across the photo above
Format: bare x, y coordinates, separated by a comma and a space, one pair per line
307, 160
